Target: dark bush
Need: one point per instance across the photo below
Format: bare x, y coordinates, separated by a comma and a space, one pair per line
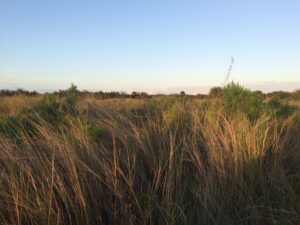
279, 107
279, 94
215, 92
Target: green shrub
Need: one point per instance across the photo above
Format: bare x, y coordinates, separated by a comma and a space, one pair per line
279, 107
95, 131
48, 107
237, 98
69, 104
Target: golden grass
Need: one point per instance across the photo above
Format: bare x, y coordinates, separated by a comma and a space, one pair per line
295, 103
11, 104
139, 162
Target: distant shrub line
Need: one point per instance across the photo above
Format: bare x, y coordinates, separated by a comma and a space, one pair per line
214, 92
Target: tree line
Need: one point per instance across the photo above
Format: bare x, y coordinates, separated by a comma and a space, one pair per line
214, 92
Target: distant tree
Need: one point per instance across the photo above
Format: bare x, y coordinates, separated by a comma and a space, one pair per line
215, 92
21, 91
7, 92
144, 95
85, 93
182, 93
201, 96
33, 93
134, 94
279, 94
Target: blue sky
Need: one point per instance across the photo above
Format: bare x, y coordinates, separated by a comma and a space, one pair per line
153, 45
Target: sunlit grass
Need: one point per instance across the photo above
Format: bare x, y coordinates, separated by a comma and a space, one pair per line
159, 161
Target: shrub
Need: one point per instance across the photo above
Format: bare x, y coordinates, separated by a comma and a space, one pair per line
279, 107
48, 107
215, 92
237, 98
279, 94
95, 131
69, 104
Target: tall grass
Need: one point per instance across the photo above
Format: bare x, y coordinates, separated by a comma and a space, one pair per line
11, 104
165, 161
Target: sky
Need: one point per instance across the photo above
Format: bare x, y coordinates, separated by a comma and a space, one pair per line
154, 46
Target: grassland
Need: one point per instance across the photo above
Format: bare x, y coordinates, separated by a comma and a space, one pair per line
232, 158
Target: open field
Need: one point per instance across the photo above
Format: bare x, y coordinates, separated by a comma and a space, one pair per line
229, 158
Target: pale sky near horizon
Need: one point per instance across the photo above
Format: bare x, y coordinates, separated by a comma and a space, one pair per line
148, 45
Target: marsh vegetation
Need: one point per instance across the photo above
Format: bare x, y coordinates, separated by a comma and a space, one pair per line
232, 157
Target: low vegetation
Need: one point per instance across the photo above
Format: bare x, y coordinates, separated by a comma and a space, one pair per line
232, 157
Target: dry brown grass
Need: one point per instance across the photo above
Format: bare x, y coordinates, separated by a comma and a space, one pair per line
10, 105
295, 103
115, 103
161, 161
